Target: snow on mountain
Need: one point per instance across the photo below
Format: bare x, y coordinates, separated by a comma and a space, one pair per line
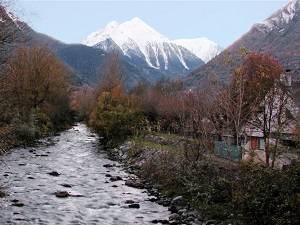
280, 18
6, 15
140, 42
203, 48
131, 31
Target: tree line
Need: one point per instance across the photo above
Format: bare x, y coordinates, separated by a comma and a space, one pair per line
256, 97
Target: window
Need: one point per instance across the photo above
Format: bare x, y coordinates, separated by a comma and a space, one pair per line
261, 144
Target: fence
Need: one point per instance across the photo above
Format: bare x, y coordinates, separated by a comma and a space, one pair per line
228, 151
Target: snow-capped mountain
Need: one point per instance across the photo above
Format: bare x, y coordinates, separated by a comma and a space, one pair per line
143, 46
204, 48
279, 19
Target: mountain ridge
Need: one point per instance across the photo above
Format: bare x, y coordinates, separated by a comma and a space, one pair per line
141, 44
203, 48
279, 35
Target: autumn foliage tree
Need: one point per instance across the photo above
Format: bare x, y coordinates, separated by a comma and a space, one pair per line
110, 74
268, 95
251, 82
115, 116
12, 33
36, 89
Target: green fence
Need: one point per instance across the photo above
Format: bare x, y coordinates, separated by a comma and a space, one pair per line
228, 151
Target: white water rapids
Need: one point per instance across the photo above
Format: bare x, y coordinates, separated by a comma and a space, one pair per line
78, 157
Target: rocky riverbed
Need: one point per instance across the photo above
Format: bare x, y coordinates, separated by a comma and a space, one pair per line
68, 179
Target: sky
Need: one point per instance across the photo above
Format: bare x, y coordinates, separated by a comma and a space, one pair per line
222, 21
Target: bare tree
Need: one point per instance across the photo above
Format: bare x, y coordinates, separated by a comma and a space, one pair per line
274, 120
83, 101
111, 73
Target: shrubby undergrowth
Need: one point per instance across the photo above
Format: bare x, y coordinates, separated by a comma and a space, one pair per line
241, 193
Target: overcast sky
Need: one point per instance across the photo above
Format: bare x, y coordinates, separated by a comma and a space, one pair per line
221, 21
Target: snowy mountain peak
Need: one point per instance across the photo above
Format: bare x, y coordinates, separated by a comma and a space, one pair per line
112, 24
134, 30
203, 48
136, 39
137, 20
280, 18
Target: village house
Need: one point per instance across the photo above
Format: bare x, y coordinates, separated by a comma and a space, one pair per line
274, 128
270, 136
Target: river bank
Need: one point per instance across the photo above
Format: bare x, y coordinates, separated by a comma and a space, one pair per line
182, 211
210, 190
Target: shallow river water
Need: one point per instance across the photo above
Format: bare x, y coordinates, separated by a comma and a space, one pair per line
78, 157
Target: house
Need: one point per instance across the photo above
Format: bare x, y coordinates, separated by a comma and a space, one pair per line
273, 129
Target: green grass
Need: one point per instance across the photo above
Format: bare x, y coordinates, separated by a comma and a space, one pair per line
172, 137
151, 144
142, 143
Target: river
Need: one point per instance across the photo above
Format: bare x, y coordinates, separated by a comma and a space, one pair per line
79, 159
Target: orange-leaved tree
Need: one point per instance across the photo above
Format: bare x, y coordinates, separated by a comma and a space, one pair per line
116, 116
36, 88
266, 97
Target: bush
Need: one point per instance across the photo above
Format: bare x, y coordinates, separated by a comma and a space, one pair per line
268, 196
163, 167
116, 117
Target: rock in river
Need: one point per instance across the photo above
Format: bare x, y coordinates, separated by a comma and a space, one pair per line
54, 173
62, 194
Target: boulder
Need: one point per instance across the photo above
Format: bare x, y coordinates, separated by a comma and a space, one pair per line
129, 201
108, 165
62, 194
2, 194
135, 206
174, 216
134, 183
54, 173
179, 201
115, 178
17, 203
66, 185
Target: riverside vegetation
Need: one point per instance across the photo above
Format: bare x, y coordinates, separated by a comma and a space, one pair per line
222, 192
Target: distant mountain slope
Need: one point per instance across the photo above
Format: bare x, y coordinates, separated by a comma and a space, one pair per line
142, 46
85, 61
81, 60
279, 35
11, 30
202, 47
